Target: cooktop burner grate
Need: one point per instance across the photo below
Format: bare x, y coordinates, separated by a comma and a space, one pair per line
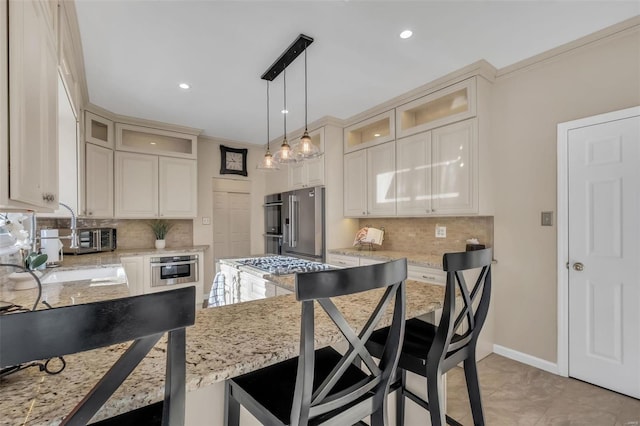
282, 265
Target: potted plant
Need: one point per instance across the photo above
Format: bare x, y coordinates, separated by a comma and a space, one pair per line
160, 229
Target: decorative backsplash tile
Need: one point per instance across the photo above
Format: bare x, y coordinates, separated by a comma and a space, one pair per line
131, 233
418, 234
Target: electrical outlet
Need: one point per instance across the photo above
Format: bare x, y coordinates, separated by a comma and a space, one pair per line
441, 231
546, 219
206, 221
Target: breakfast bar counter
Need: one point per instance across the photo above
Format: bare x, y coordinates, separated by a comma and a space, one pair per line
224, 342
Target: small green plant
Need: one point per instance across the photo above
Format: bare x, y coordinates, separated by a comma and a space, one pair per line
160, 228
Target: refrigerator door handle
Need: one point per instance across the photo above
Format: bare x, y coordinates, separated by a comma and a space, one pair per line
293, 221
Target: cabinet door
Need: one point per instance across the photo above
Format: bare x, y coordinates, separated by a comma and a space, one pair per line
178, 187
33, 102
355, 184
381, 180
136, 185
297, 175
454, 168
98, 130
315, 171
98, 181
134, 269
413, 175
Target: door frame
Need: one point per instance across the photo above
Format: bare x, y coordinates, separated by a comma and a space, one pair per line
563, 224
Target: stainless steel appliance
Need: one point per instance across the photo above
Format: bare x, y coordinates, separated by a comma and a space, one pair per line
273, 224
171, 270
303, 223
90, 240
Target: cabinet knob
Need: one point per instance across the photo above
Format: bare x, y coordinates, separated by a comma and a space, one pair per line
90, 213
48, 197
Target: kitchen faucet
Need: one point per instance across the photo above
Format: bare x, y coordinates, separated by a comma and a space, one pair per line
74, 227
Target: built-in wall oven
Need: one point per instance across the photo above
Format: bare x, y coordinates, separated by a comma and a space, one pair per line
172, 270
273, 224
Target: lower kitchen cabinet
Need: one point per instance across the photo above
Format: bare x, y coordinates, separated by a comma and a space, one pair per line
139, 275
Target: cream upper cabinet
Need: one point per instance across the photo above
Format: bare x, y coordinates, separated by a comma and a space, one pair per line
136, 185
98, 181
369, 183
178, 195
454, 103
98, 130
455, 168
33, 102
148, 186
372, 131
413, 175
355, 184
308, 173
381, 185
437, 171
142, 139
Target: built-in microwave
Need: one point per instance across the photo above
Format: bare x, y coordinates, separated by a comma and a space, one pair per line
172, 270
90, 240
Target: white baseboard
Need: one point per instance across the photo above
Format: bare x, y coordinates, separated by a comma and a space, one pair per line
527, 359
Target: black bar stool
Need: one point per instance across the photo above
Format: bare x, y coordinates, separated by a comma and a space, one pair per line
322, 386
71, 329
431, 351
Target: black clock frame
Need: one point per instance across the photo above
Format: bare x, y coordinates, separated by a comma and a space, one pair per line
223, 160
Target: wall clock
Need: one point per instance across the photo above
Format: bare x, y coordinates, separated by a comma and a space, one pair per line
233, 161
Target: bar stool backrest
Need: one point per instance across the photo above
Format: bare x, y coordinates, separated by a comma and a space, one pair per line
320, 287
56, 332
457, 334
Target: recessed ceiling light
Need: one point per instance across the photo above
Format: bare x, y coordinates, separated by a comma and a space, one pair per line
406, 34
285, 111
184, 86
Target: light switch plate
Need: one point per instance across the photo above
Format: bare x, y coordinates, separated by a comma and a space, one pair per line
206, 221
546, 219
441, 231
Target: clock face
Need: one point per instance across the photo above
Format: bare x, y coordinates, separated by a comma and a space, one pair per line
234, 161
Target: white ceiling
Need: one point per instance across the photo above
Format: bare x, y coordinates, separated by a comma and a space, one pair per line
136, 53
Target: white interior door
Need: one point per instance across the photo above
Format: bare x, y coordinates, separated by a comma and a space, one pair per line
231, 224
604, 254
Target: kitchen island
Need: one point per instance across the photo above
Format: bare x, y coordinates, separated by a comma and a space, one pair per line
224, 342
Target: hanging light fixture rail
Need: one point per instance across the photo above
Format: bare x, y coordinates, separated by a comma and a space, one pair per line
287, 57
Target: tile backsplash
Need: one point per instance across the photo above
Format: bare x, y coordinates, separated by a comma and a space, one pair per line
131, 233
417, 235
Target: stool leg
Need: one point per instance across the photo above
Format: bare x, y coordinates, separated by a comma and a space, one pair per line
473, 388
435, 390
400, 398
231, 407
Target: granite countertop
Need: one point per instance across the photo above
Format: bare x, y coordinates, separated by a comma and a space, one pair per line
108, 258
224, 342
418, 259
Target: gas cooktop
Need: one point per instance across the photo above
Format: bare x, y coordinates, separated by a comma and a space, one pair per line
282, 265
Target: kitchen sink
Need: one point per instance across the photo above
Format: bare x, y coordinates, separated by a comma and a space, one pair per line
97, 276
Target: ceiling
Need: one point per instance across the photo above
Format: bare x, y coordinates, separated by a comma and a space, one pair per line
137, 52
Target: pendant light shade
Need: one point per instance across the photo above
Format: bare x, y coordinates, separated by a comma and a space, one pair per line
285, 154
305, 148
268, 162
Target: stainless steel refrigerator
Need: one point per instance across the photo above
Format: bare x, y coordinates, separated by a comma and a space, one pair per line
303, 223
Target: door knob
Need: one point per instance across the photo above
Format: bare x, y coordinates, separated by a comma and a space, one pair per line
578, 266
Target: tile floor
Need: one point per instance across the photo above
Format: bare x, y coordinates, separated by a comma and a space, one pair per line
517, 394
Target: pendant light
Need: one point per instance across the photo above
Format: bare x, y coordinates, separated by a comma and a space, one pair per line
305, 148
285, 154
268, 162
